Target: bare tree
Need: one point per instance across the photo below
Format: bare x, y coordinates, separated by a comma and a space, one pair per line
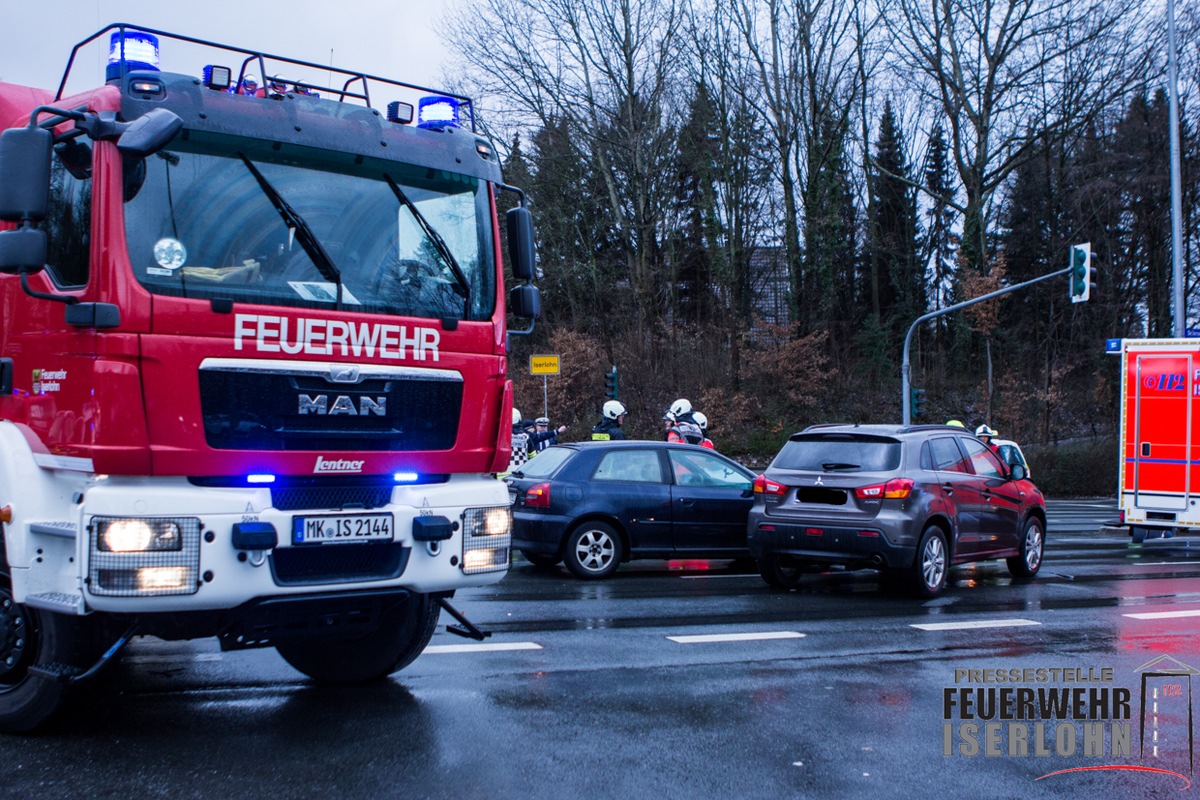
1002, 74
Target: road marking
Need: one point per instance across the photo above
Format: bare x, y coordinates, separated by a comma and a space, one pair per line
157, 659
694, 577
736, 637
1191, 612
974, 624
1161, 563
478, 648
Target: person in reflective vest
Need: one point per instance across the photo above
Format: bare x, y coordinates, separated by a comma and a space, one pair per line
609, 427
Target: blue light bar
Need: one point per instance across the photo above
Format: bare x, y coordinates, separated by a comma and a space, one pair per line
437, 112
260, 477
405, 477
139, 51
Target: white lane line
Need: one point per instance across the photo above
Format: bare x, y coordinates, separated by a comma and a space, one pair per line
479, 648
1162, 563
1191, 612
694, 577
163, 659
975, 624
736, 637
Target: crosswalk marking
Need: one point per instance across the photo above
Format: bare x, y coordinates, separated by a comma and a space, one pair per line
974, 624
736, 637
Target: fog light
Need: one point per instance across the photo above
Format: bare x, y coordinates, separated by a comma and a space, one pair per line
162, 579
487, 538
485, 560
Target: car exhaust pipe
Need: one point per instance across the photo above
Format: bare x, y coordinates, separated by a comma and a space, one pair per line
877, 560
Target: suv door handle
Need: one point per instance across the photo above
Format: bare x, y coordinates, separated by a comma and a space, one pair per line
948, 488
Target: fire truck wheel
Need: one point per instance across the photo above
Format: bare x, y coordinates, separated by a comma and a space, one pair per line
31, 638
401, 637
1028, 560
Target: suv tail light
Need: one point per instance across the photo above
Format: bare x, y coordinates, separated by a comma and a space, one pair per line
769, 487
538, 495
895, 489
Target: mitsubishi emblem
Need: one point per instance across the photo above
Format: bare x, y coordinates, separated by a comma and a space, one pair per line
819, 482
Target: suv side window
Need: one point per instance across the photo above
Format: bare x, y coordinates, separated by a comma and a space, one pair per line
947, 457
983, 460
640, 466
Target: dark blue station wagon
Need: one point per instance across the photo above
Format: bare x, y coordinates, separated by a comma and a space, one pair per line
593, 505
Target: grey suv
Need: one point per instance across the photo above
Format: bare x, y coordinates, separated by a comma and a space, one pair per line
907, 499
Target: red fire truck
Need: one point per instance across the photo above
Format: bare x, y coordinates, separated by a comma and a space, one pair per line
1160, 441
252, 367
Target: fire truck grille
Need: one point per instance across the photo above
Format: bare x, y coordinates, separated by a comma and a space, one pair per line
247, 410
291, 498
337, 563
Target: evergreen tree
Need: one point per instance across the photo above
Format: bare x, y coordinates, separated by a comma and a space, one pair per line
896, 278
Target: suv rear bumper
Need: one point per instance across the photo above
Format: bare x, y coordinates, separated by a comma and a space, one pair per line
822, 544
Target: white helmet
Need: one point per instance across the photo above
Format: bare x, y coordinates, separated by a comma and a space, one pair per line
984, 430
614, 409
681, 407
516, 417
701, 420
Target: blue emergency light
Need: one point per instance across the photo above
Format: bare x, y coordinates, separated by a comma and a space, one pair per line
405, 477
135, 49
437, 112
260, 477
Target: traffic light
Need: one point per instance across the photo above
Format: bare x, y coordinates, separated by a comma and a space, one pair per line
918, 402
610, 384
1082, 272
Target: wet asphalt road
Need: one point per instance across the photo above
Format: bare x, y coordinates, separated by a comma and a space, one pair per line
595, 690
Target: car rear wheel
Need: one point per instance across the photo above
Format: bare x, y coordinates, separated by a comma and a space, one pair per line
593, 551
780, 571
402, 635
1029, 558
933, 563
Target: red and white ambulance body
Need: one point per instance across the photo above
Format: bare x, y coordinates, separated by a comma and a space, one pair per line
1159, 487
252, 369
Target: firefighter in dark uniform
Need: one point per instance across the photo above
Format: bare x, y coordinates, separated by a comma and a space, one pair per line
609, 428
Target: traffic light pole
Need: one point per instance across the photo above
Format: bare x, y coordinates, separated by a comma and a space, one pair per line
905, 382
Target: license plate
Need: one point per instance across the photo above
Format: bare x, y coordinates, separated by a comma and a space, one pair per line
342, 528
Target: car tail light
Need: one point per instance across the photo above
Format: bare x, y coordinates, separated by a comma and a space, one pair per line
895, 489
538, 495
768, 487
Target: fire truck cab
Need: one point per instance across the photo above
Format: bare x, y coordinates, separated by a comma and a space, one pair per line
252, 369
1160, 444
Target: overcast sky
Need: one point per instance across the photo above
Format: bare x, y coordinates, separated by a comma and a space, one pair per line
389, 38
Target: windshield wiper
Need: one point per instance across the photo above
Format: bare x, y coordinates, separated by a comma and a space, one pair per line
461, 288
832, 465
308, 240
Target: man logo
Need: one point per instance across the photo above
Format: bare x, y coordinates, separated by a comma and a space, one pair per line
343, 405
343, 374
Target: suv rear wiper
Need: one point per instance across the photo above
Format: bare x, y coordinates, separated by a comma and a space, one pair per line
462, 288
295, 222
832, 465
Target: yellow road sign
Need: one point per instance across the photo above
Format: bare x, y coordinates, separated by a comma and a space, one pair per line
543, 365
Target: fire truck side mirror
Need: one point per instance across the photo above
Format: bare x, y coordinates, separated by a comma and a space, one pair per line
25, 174
22, 250
149, 133
520, 243
525, 302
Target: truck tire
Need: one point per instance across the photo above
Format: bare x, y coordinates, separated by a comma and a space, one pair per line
30, 637
403, 633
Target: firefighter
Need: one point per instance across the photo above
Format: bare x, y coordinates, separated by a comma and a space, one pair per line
609, 427
702, 421
685, 429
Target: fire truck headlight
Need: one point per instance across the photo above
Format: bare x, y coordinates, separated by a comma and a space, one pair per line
137, 557
487, 537
137, 535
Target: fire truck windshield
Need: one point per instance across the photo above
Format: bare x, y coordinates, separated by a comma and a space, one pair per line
200, 223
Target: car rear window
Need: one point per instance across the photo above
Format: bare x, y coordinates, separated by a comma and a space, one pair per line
841, 453
545, 463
